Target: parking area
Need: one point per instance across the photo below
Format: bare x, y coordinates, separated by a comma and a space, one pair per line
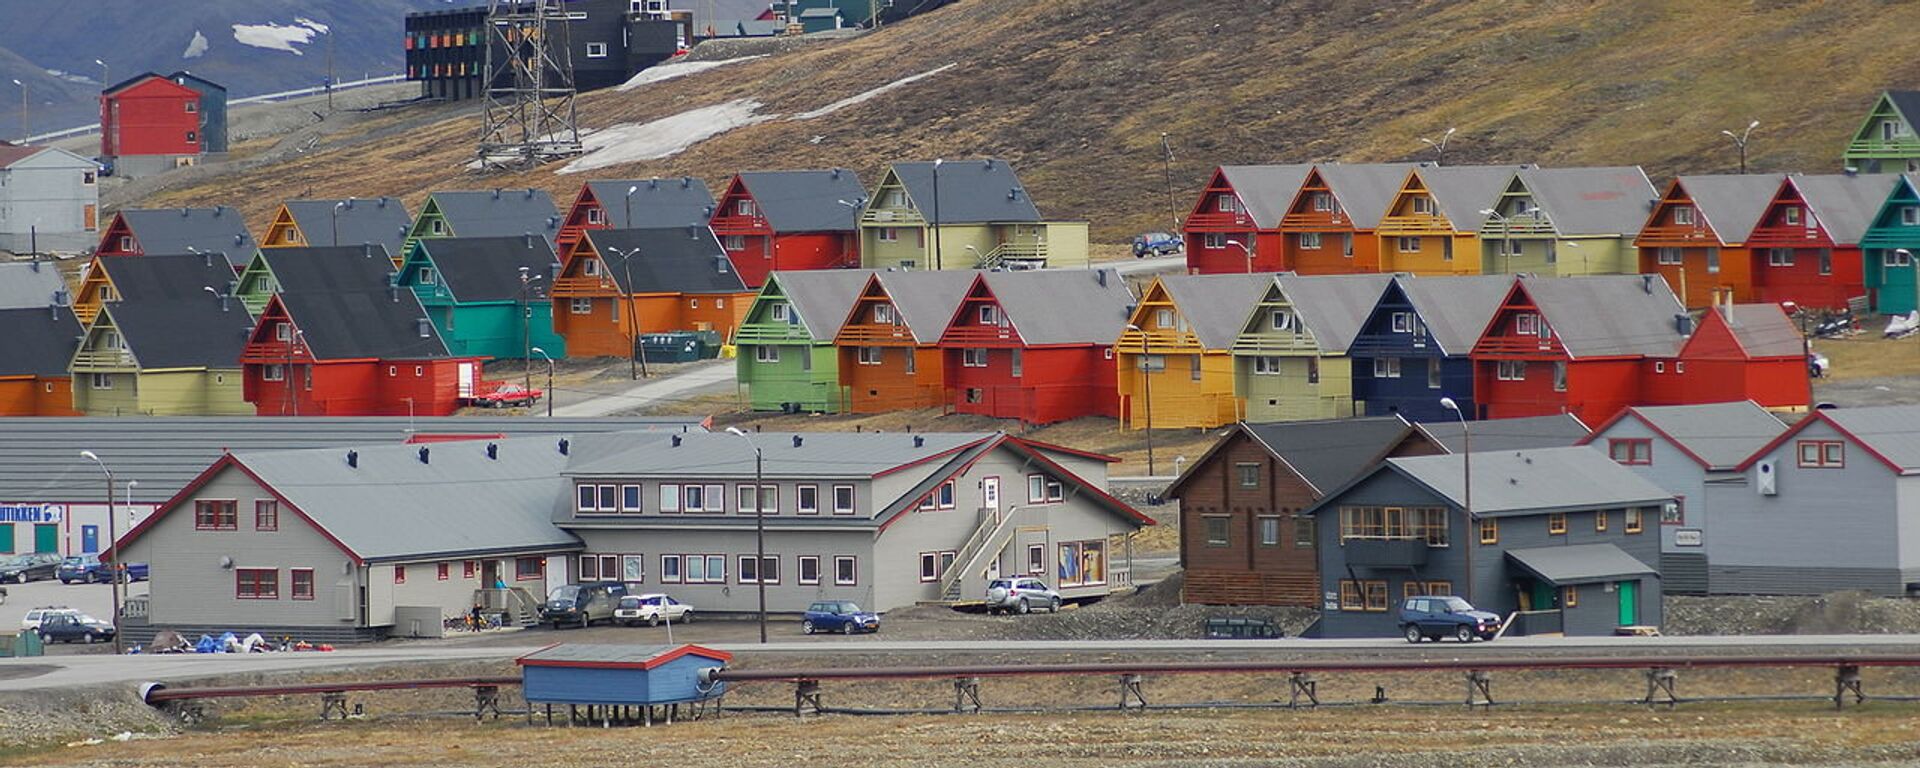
92, 599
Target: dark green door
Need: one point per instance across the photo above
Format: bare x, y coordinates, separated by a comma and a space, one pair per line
1629, 605
1543, 596
46, 538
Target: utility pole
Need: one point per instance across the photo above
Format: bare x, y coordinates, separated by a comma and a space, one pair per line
1146, 382
330, 77
528, 117
936, 213
1166, 166
114, 569
759, 525
1466, 458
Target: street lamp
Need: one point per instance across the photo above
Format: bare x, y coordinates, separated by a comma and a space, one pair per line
1244, 249
25, 125
1146, 381
1506, 234
105, 79
130, 486
548, 395
1439, 147
1739, 142
526, 322
632, 322
1906, 256
759, 527
1466, 457
937, 162
113, 541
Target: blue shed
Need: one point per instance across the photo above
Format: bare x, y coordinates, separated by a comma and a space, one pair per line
620, 675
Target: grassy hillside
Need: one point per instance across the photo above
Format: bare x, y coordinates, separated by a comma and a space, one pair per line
1077, 93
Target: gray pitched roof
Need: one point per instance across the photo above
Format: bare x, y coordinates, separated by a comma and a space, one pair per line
1721, 434
823, 298
1893, 431
820, 454
655, 202
1069, 306
39, 460
36, 341
970, 191
1456, 310
350, 325
1365, 189
1334, 307
1764, 330
1592, 201
1267, 190
682, 259
174, 276
1328, 453
476, 269
31, 284
1732, 203
807, 201
1579, 563
1526, 433
1603, 315
331, 268
926, 299
381, 221
186, 332
1216, 306
219, 229
1463, 191
1533, 481
498, 212
1845, 204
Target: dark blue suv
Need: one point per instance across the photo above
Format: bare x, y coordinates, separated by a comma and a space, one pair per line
1436, 617
838, 616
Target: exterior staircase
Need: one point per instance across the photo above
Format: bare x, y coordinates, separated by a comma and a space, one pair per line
519, 606
988, 540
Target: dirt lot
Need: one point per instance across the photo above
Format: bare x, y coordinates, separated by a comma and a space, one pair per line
1869, 370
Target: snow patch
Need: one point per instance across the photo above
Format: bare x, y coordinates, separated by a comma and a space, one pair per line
666, 137
196, 47
276, 37
311, 24
671, 70
866, 95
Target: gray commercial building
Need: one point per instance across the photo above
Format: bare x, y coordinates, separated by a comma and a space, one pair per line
49, 200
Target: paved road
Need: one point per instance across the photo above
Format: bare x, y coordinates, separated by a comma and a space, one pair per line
687, 381
91, 599
1146, 266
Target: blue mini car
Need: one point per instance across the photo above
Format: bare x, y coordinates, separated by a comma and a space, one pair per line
1423, 618
838, 616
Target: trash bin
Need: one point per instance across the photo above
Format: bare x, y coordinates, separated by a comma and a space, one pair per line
710, 344
671, 347
1240, 629
21, 645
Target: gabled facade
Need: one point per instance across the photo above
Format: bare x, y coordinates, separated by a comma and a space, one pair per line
1011, 353
1433, 226
964, 214
381, 221
1290, 357
163, 357
1695, 238
889, 346
1575, 345
324, 268
1736, 352
172, 276
217, 230
352, 353
212, 111
1562, 222
1329, 228
784, 352
1235, 225
634, 204
49, 200
35, 345
148, 125
1888, 272
1806, 247
620, 284
487, 295
1414, 348
1186, 326
790, 220
1886, 141
490, 213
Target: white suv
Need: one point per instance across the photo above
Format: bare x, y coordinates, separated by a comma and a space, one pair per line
1021, 595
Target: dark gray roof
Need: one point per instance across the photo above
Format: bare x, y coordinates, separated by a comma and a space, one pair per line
1216, 306
1907, 103
32, 284
1069, 306
351, 325
36, 341
1365, 189
1893, 431
820, 454
382, 221
971, 191
476, 269
1463, 191
1526, 433
219, 229
343, 268
655, 202
1456, 310
40, 461
1591, 201
1267, 190
682, 259
188, 332
926, 299
823, 298
177, 276
498, 212
807, 201
1764, 330
1603, 315
1845, 204
1578, 563
1334, 307
1328, 453
1721, 434
1533, 481
1732, 203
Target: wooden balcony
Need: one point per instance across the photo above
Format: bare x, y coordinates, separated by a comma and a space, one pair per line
875, 335
570, 287
981, 335
1901, 148
1685, 234
893, 217
1515, 226
1016, 252
1788, 237
1414, 226
1158, 341
272, 352
771, 333
1526, 347
1235, 220
740, 225
102, 359
1276, 344
1315, 220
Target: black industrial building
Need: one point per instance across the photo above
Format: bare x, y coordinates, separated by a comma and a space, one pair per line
609, 41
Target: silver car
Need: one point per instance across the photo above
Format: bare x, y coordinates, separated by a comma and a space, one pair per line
1021, 594
634, 610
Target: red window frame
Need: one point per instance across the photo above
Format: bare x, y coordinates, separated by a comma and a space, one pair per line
444, 571
1635, 456
1822, 450
216, 514
399, 574
467, 568
295, 583
266, 515
256, 583
522, 571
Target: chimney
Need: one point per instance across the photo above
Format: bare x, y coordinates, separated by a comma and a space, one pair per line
219, 209
207, 257
353, 459
383, 201
1683, 323
988, 164
686, 182
423, 454
1852, 171
349, 203
184, 212
529, 193
919, 441
393, 291
653, 183
564, 445
529, 236
496, 193
1100, 275
676, 441
493, 451
836, 174
1646, 284
34, 265
796, 441
1013, 194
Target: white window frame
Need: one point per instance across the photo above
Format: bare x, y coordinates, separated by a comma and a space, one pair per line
1669, 256
1386, 367
1422, 205
872, 355
670, 498
779, 312
973, 357
1895, 258
853, 499
800, 569
1309, 241
596, 50
1780, 257
1402, 322
1213, 240
1511, 370
1266, 365
802, 504
580, 306
854, 579
1683, 215
766, 353
1408, 245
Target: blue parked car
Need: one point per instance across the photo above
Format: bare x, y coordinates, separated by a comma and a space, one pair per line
838, 616
88, 569
1157, 244
1433, 618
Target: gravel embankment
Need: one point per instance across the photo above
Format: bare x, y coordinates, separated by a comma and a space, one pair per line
1838, 613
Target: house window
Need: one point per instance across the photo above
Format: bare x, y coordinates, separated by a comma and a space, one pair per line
1600, 521
1266, 366
1249, 475
1225, 203
1369, 596
1309, 241
1428, 524
596, 50
870, 355
105, 381
529, 568
596, 216
1422, 204
590, 267
467, 568
807, 499
1322, 201
889, 235
1822, 453
88, 178
268, 372
1214, 240
751, 572
1433, 373
1313, 370
399, 574
1279, 320
1899, 257
780, 313
989, 314
1909, 215
1269, 531
427, 277
1408, 244
1674, 512
1635, 524
301, 583
1041, 488
633, 568
443, 571
1163, 318
1683, 215
1713, 261
766, 354
1667, 256
1790, 215
843, 499
1512, 370
809, 569
883, 314
1217, 533
580, 306
670, 497
1826, 261
1303, 532
216, 515
1557, 523
846, 570
1559, 375
266, 515
1386, 367
716, 499
257, 583
1036, 559
1569, 597
973, 357
630, 498
1402, 322
751, 502
1489, 531
929, 566
1631, 450
1779, 257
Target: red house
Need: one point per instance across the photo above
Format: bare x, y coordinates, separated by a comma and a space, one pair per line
1235, 226
790, 220
172, 231
634, 204
149, 124
352, 353
1575, 345
1737, 352
1014, 349
1806, 248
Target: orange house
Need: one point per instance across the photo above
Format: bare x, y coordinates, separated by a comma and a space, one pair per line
36, 343
620, 284
889, 347
1696, 235
1329, 227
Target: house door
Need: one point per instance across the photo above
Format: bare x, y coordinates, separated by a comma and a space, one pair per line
1629, 603
990, 493
1543, 596
46, 538
89, 539
490, 573
466, 380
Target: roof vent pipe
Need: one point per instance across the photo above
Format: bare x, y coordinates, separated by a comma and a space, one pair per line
796, 441
496, 193
564, 445
836, 173
353, 459
1646, 284
919, 441
493, 451
529, 236
529, 193
423, 454
676, 441
686, 182
184, 212
653, 183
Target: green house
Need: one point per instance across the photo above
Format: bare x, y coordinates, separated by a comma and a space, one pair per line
1290, 359
1561, 222
347, 267
962, 214
485, 213
1888, 249
486, 295
163, 356
1886, 142
784, 350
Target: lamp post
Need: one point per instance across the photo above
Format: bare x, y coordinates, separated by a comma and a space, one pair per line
113, 541
548, 394
25, 125
1739, 142
1439, 147
857, 205
526, 322
106, 79
936, 213
1146, 381
1466, 457
1906, 256
130, 486
632, 322
759, 527
1244, 249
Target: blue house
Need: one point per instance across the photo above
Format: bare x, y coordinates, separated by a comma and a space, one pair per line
620, 675
1413, 348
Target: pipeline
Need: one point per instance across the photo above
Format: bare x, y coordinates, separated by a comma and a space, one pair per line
157, 694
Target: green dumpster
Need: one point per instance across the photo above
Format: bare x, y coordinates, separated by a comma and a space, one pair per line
21, 645
672, 347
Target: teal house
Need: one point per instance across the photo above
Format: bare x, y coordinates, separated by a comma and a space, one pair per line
486, 295
784, 350
1888, 250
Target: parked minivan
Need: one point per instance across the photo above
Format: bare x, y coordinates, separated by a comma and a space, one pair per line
581, 604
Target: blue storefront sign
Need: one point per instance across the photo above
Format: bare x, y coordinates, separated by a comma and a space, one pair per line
31, 513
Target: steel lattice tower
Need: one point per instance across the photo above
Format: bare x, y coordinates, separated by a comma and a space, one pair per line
529, 117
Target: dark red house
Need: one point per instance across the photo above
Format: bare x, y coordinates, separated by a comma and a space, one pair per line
171, 231
352, 353
1575, 345
633, 204
1737, 352
149, 124
1235, 226
790, 220
1806, 248
1014, 349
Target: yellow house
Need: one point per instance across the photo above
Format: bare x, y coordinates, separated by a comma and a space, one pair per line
381, 221
1176, 356
1433, 225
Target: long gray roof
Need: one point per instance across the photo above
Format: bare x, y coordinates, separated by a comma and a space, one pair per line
188, 332
1328, 453
807, 201
656, 202
1456, 310
1216, 306
172, 276
1592, 201
1463, 191
1579, 563
1606, 315
1267, 190
1334, 307
970, 191
1732, 203
218, 229
926, 299
1365, 189
823, 298
36, 341
1845, 204
1721, 434
819, 455
498, 212
1764, 330
680, 259
381, 221
1893, 431
332, 268
1068, 306
32, 284
1525, 433
1534, 481
40, 460
480, 269
350, 325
